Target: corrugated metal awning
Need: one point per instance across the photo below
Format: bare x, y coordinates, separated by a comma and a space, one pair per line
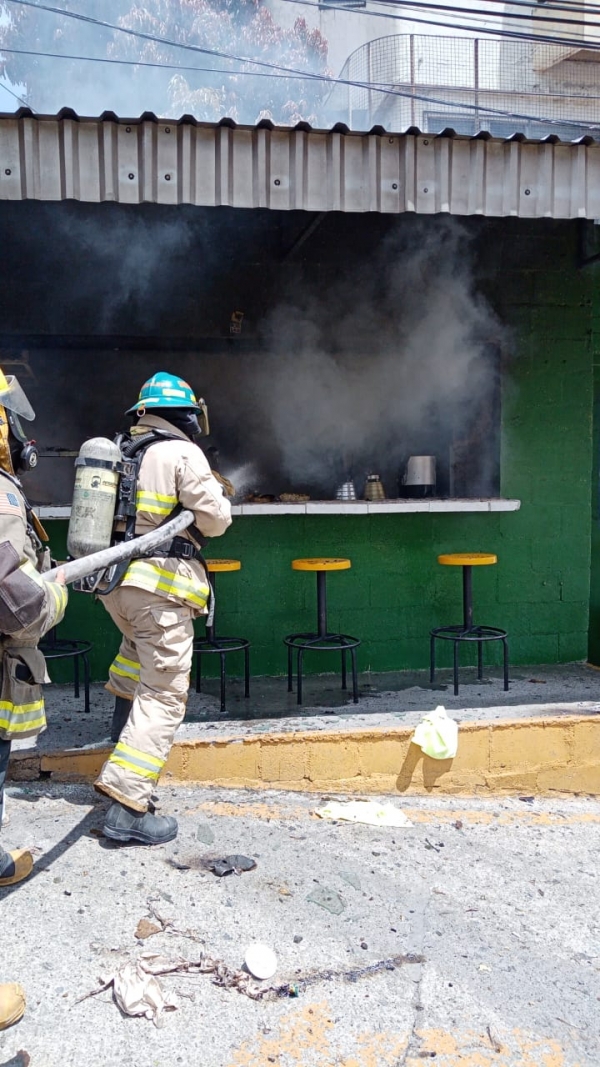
146, 160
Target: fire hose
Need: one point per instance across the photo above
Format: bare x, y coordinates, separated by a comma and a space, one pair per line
75, 569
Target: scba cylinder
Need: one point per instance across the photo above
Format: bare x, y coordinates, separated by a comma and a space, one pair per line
97, 469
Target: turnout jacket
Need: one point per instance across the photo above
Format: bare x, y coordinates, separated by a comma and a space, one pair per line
29, 607
175, 472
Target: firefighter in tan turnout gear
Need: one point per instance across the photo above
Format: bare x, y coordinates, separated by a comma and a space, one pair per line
29, 606
154, 605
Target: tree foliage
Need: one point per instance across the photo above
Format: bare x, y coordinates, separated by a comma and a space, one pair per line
244, 28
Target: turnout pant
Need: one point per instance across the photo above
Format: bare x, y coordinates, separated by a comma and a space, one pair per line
152, 668
4, 757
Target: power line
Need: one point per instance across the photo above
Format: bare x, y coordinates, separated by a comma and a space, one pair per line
17, 97
574, 42
166, 66
470, 12
580, 9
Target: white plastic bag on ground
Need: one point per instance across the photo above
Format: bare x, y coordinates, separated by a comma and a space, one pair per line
139, 993
437, 735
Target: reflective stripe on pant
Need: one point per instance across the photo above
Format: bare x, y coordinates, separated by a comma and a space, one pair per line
158, 635
124, 671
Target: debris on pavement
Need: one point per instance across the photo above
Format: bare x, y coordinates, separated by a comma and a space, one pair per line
146, 929
327, 898
261, 961
231, 865
167, 926
371, 812
135, 994
204, 833
137, 991
350, 878
437, 734
435, 848
494, 1041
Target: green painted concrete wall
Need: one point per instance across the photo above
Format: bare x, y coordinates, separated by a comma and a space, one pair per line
396, 591
594, 630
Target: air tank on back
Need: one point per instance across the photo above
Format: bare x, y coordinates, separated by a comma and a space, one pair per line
97, 470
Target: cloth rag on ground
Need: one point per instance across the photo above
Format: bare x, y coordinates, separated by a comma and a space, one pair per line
437, 735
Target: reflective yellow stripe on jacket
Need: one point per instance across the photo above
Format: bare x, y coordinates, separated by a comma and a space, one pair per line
155, 503
58, 592
144, 574
127, 668
20, 719
140, 763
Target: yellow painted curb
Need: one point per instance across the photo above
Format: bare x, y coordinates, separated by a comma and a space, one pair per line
533, 756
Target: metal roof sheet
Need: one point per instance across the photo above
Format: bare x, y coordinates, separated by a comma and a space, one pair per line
150, 160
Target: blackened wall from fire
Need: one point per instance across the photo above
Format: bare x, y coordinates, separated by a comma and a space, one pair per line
327, 347
166, 301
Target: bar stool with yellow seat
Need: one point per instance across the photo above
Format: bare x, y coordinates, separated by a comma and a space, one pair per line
212, 644
322, 640
468, 631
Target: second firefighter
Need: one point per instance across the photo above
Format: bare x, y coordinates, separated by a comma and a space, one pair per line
154, 605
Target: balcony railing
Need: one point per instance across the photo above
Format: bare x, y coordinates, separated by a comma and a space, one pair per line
471, 84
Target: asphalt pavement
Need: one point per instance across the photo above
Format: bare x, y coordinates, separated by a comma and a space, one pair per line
470, 938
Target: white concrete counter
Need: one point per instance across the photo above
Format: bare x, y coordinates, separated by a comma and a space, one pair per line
339, 507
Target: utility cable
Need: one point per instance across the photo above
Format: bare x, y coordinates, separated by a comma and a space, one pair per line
568, 42
468, 12
3, 85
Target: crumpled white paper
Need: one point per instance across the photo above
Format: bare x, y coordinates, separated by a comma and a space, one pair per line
371, 812
137, 991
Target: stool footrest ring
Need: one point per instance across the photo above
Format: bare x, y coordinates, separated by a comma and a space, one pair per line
62, 648
321, 643
313, 642
475, 633
221, 646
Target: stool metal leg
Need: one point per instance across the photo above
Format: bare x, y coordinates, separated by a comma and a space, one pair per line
432, 658
222, 659
299, 674
76, 676
455, 665
344, 681
247, 673
198, 672
468, 597
354, 676
290, 669
505, 647
86, 682
480, 660
322, 603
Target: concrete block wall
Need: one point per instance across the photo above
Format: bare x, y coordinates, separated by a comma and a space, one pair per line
396, 591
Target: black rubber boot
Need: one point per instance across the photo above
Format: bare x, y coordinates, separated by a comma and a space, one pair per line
120, 717
124, 824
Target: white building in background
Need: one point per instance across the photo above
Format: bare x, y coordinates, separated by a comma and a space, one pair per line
448, 76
